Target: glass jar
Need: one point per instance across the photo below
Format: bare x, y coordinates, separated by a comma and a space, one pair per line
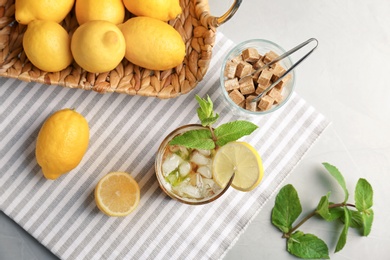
186, 174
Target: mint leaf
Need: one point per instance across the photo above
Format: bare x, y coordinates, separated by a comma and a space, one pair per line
368, 218
197, 139
335, 213
307, 246
363, 195
205, 111
174, 178
233, 131
339, 177
343, 236
287, 208
209, 121
323, 207
356, 220
363, 202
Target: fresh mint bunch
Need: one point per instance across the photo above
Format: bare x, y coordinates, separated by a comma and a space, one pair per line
210, 138
288, 208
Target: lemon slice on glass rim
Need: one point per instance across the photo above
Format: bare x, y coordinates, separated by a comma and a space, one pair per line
117, 194
240, 159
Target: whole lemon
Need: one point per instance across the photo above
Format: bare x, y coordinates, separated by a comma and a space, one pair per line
62, 142
163, 10
98, 46
107, 10
47, 45
152, 44
28, 10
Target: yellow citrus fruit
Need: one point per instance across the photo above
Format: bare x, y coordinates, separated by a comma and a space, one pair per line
163, 10
62, 142
117, 194
47, 45
240, 159
107, 10
48, 10
98, 46
152, 44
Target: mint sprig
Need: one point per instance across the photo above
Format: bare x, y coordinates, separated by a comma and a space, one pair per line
211, 138
206, 111
287, 209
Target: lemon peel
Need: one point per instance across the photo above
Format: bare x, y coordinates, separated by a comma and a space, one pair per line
152, 44
62, 142
47, 45
28, 10
98, 46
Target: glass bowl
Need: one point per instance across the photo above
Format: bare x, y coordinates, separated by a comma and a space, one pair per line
175, 189
263, 47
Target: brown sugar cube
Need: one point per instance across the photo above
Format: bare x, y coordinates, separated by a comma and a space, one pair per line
265, 103
274, 78
236, 96
265, 77
231, 84
255, 75
243, 69
276, 95
251, 106
242, 104
283, 82
230, 69
261, 88
237, 59
258, 64
270, 56
247, 86
250, 55
278, 70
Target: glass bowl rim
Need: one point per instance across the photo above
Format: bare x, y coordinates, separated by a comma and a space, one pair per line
222, 77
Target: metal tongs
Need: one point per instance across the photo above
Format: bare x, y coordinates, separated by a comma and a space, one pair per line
284, 55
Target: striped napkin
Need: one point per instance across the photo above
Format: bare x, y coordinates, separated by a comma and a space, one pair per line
125, 134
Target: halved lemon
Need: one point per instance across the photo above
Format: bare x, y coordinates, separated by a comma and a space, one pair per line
117, 194
240, 159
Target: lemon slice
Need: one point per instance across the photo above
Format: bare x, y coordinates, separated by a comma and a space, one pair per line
117, 194
240, 159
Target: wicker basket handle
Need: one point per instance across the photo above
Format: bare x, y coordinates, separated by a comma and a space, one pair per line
212, 21
232, 10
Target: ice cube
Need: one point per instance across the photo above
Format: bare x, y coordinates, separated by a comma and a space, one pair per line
184, 168
199, 159
204, 152
210, 187
205, 171
182, 151
171, 163
187, 190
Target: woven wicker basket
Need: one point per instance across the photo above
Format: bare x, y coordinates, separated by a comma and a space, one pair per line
195, 24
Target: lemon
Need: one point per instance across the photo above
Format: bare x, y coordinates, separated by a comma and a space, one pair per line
163, 10
47, 45
98, 46
29, 10
117, 194
152, 44
62, 142
240, 159
107, 10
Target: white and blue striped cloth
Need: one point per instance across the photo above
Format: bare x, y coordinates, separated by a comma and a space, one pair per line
125, 134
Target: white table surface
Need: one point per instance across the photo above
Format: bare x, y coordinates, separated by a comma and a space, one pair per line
346, 79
